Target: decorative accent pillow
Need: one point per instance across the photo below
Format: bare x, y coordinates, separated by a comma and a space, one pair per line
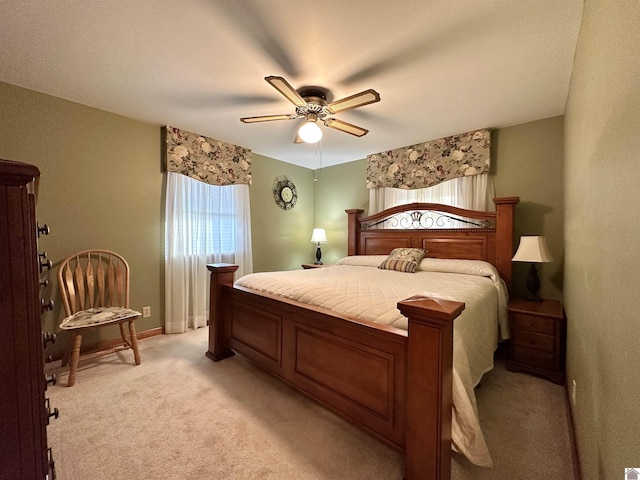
403, 259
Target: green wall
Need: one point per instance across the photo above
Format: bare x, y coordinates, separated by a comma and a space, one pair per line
101, 186
339, 188
603, 238
527, 161
280, 238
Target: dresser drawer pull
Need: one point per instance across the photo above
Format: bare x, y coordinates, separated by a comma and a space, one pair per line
50, 379
48, 264
43, 230
55, 413
48, 337
46, 306
52, 466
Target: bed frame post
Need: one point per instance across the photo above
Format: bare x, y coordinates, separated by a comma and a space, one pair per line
221, 274
352, 232
429, 374
504, 235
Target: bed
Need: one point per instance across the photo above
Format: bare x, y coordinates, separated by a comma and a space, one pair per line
395, 380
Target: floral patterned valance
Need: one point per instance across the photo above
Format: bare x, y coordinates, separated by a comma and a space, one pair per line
427, 164
205, 159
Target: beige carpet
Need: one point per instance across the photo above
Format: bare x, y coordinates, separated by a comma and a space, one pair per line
179, 415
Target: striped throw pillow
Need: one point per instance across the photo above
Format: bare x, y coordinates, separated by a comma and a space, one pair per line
403, 259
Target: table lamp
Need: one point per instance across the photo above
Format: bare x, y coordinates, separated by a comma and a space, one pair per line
319, 236
533, 249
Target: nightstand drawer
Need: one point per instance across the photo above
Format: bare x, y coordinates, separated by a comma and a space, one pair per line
533, 322
535, 358
537, 341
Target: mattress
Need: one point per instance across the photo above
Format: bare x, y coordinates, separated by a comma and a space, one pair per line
356, 287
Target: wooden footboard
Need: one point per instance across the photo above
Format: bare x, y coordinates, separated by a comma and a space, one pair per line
394, 383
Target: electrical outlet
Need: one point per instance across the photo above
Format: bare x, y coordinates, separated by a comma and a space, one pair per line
573, 392
146, 312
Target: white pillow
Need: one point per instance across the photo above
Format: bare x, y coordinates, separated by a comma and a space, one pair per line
470, 267
362, 260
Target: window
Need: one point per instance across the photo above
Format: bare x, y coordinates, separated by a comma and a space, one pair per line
208, 223
204, 224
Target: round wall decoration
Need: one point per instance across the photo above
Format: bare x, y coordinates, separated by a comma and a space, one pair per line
284, 193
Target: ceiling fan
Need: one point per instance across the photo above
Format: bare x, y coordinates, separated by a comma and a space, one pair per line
312, 104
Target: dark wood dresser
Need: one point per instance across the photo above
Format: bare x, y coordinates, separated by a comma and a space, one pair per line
24, 410
538, 331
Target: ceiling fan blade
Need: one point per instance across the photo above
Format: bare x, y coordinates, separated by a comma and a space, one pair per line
354, 101
286, 89
253, 21
346, 127
267, 118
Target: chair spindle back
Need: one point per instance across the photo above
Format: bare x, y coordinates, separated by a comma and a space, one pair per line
94, 278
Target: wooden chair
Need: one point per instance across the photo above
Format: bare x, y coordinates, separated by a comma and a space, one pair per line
94, 285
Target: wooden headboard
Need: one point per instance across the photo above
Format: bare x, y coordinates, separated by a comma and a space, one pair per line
444, 231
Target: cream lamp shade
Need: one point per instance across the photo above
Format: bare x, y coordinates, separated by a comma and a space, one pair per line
318, 236
533, 249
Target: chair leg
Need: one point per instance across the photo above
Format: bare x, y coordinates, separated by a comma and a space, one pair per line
75, 355
134, 342
123, 334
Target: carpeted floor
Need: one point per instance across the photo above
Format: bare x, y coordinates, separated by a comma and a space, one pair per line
179, 415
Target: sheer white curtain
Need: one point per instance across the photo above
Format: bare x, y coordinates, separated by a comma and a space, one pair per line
204, 224
473, 192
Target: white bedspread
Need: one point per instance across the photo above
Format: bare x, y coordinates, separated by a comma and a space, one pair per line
357, 288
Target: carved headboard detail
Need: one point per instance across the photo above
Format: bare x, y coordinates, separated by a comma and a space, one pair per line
476, 235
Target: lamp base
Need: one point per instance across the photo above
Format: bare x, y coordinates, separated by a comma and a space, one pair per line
318, 256
533, 285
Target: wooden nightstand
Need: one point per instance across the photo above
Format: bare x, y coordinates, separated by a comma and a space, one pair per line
537, 345
313, 265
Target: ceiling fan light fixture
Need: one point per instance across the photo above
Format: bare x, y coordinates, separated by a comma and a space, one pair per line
311, 104
310, 132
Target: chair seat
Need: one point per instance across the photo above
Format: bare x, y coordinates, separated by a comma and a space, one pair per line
98, 316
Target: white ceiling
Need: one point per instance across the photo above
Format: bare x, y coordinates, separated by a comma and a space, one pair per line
441, 67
